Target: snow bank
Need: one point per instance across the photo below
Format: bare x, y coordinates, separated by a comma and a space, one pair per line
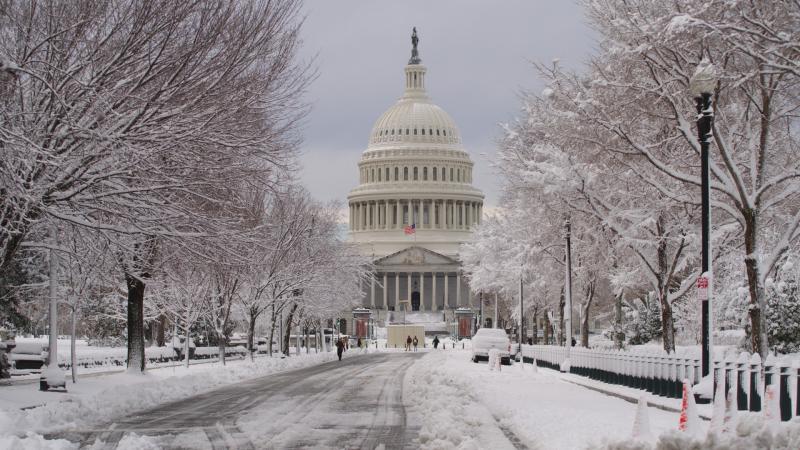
460, 404
123, 394
750, 433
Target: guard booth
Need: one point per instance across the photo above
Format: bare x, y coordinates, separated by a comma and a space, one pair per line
464, 323
362, 323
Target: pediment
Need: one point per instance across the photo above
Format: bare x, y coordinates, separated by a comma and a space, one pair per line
415, 256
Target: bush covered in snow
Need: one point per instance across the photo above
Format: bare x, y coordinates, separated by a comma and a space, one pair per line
783, 316
642, 321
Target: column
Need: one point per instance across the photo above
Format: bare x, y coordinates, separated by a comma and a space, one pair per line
397, 214
372, 291
385, 291
446, 291
442, 203
433, 291
422, 291
358, 216
386, 215
396, 290
458, 288
463, 216
370, 215
408, 292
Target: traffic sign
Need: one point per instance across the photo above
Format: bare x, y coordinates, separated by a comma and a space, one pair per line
702, 288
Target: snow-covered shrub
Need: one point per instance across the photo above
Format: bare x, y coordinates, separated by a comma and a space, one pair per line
783, 316
642, 320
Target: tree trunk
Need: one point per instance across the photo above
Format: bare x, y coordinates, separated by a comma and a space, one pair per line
758, 303
561, 331
619, 335
251, 329
162, 324
221, 346
288, 330
546, 328
136, 360
305, 334
271, 332
667, 324
585, 313
535, 326
186, 345
73, 357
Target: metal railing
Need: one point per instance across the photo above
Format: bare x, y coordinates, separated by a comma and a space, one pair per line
662, 374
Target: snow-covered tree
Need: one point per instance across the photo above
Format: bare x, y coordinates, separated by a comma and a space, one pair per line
137, 119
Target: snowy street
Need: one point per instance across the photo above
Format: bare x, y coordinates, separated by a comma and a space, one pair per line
353, 403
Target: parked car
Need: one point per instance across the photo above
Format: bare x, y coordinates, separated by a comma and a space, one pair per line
491, 338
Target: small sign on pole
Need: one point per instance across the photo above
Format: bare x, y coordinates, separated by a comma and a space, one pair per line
702, 288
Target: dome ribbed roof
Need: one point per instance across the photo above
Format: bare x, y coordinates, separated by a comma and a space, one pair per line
415, 120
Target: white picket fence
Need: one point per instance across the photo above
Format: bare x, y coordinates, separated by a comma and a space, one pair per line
662, 374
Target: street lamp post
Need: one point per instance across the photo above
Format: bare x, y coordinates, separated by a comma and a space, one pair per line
702, 85
521, 317
568, 291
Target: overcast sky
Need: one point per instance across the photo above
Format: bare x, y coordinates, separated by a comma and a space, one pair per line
478, 55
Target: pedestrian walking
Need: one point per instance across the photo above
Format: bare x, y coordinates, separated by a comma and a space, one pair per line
339, 348
408, 343
359, 343
435, 342
416, 342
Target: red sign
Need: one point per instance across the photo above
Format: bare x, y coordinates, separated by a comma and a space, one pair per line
702, 288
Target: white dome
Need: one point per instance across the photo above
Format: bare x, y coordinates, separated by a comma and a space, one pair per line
415, 120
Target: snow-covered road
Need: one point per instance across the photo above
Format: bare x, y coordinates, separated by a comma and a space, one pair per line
355, 403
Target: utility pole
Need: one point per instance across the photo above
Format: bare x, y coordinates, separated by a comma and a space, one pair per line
495, 310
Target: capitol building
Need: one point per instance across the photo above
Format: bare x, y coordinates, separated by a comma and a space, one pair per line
413, 207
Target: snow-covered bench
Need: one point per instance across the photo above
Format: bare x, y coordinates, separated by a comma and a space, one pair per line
27, 356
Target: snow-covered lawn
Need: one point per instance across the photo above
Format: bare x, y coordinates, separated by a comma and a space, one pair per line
465, 405
104, 398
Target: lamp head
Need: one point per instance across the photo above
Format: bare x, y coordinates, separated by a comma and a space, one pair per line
704, 79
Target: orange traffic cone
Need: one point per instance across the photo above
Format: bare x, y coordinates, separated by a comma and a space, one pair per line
718, 409
641, 423
689, 421
772, 407
731, 410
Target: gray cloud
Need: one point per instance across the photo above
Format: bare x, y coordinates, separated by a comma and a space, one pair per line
478, 56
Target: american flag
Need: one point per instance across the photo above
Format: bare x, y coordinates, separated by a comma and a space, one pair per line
410, 229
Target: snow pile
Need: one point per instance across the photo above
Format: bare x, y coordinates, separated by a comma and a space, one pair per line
490, 409
127, 393
752, 431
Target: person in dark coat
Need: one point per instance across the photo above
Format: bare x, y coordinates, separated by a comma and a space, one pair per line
339, 348
416, 342
408, 343
435, 342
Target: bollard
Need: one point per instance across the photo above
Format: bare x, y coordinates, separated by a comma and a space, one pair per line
784, 396
755, 383
742, 382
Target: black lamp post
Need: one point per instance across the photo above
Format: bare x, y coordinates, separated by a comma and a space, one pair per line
702, 85
568, 288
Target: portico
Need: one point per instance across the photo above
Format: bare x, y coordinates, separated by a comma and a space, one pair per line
431, 281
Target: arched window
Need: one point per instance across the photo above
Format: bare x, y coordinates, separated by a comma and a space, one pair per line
387, 174
396, 173
372, 175
430, 131
445, 132
437, 132
451, 174
416, 174
415, 131
392, 131
423, 131
434, 174
458, 175
405, 173
407, 133
424, 173
444, 174
379, 174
